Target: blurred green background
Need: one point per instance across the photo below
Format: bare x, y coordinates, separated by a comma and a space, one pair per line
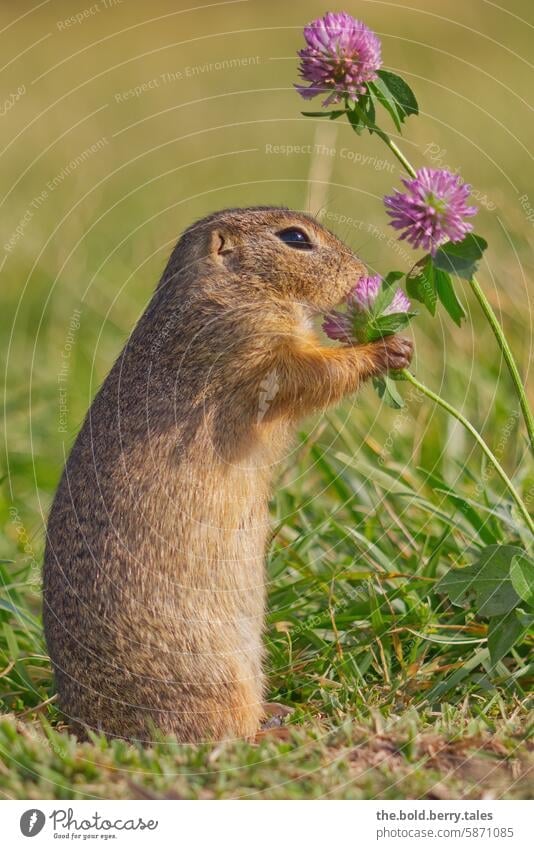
122, 125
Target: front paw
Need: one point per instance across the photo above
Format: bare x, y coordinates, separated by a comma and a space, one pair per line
394, 353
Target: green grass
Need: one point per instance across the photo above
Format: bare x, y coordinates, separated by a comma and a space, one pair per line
393, 689
442, 756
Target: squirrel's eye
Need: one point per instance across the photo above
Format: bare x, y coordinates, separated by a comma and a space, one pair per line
295, 238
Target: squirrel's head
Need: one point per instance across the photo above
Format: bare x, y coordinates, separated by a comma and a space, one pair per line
275, 253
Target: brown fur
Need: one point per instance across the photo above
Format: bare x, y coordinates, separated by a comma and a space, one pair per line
154, 565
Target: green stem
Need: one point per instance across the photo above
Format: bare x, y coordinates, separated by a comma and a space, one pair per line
508, 357
398, 153
475, 434
385, 138
486, 309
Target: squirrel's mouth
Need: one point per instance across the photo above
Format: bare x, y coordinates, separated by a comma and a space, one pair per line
351, 286
315, 309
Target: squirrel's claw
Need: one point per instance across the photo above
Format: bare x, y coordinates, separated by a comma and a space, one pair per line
397, 352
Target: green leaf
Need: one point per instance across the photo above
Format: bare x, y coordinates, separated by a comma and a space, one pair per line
522, 577
387, 325
359, 326
426, 283
461, 258
19, 612
467, 508
355, 121
401, 93
421, 284
392, 277
367, 106
383, 299
486, 582
380, 90
387, 392
370, 111
457, 676
370, 327
448, 296
503, 633
335, 113
479, 523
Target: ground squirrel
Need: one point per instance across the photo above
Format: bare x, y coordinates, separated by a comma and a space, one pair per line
154, 563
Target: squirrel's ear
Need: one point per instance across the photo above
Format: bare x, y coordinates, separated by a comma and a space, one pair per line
221, 245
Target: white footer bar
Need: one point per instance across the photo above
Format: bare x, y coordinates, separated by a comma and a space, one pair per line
243, 824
